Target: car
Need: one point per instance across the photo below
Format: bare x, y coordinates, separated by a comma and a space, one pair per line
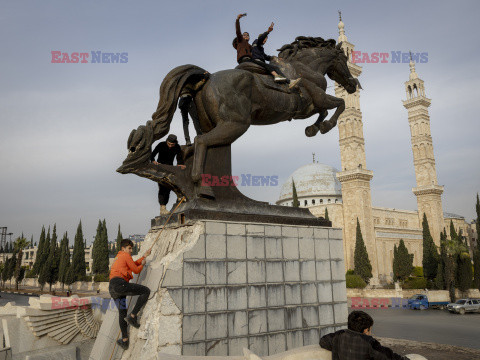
464, 305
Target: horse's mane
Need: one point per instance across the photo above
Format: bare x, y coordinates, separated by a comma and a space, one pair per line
303, 42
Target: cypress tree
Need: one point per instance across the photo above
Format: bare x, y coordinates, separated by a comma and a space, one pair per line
464, 272
6, 266
64, 263
11, 268
101, 259
96, 248
39, 255
296, 203
476, 249
104, 258
49, 272
430, 255
326, 214
46, 250
70, 276
453, 232
440, 278
20, 244
119, 239
476, 267
402, 262
362, 266
78, 259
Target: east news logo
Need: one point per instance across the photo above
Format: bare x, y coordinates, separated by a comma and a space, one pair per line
97, 57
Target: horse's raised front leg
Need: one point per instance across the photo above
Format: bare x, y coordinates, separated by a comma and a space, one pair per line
332, 102
313, 129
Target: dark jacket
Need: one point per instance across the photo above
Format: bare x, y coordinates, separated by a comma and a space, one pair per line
351, 345
257, 48
166, 155
243, 47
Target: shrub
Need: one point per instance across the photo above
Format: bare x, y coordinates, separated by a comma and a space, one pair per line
415, 283
87, 278
30, 274
101, 278
350, 272
417, 271
355, 282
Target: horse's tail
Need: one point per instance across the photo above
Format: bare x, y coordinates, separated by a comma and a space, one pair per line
183, 79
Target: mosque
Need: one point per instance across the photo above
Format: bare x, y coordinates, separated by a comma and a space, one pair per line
347, 195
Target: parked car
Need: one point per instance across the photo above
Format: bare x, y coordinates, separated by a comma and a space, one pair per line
437, 299
464, 305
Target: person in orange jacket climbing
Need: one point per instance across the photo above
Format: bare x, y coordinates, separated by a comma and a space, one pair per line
120, 288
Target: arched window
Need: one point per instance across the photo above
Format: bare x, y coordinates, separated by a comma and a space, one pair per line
336, 200
321, 201
409, 92
313, 201
329, 201
415, 90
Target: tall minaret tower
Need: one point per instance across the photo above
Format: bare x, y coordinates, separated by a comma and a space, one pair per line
354, 177
428, 192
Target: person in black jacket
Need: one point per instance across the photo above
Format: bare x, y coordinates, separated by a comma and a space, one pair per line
167, 151
357, 343
187, 106
259, 57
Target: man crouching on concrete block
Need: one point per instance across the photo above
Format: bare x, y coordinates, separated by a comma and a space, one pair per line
357, 342
120, 288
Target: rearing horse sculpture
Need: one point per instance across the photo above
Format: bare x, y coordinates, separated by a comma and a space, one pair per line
229, 101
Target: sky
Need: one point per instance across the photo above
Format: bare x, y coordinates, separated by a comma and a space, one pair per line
64, 126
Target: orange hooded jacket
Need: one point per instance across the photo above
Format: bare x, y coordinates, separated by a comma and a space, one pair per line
123, 266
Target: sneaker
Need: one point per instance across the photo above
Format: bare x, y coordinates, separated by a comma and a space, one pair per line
132, 321
294, 83
280, 79
122, 344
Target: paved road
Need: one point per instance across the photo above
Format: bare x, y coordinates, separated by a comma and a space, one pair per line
438, 326
18, 299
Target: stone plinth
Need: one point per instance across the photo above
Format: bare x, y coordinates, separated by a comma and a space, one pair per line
218, 287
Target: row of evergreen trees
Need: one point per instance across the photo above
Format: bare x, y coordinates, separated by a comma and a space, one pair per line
446, 268
52, 262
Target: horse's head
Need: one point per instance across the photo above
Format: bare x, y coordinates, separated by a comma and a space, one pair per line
339, 71
139, 144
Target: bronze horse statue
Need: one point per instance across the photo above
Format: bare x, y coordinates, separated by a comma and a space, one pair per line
229, 101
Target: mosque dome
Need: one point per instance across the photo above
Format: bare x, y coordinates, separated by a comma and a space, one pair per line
315, 184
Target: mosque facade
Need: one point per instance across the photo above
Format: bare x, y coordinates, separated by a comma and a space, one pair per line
347, 194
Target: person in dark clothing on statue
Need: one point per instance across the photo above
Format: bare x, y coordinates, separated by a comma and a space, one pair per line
357, 343
187, 106
260, 58
167, 151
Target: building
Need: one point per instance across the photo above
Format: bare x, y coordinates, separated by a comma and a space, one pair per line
347, 195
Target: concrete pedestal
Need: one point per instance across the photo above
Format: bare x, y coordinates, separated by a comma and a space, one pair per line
221, 286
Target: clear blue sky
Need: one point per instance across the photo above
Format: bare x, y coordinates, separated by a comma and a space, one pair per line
64, 126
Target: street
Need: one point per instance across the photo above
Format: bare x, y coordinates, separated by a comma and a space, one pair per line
17, 298
437, 326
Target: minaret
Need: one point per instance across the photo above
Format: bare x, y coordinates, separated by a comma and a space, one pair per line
428, 192
354, 177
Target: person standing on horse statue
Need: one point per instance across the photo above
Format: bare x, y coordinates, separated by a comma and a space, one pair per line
167, 151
